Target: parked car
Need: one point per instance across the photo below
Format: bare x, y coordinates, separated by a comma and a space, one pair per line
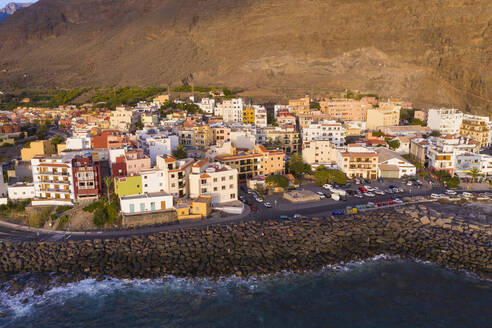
467, 195
379, 192
327, 186
370, 205
362, 189
335, 197
378, 204
267, 204
369, 194
435, 196
392, 186
284, 217
259, 200
320, 194
390, 202
359, 194
398, 201
450, 192
341, 212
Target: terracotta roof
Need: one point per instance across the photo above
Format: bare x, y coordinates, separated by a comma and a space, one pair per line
201, 162
204, 176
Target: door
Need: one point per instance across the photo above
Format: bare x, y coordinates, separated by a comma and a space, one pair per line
163, 205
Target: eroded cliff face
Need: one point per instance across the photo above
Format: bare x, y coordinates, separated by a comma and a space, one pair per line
434, 52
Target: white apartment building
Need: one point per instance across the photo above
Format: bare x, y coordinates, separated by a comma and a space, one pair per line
213, 179
244, 138
160, 145
78, 143
175, 174
145, 203
464, 163
207, 105
260, 116
231, 110
325, 130
393, 165
319, 152
444, 120
21, 190
442, 151
486, 165
53, 180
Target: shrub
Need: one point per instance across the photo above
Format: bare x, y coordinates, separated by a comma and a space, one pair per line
323, 175
277, 181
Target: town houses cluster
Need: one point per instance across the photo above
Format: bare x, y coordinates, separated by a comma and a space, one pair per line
192, 162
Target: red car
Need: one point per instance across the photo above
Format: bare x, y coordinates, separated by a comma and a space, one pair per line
390, 202
362, 189
254, 208
378, 204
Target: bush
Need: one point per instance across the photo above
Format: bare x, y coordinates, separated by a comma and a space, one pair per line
323, 175
100, 217
277, 181
92, 207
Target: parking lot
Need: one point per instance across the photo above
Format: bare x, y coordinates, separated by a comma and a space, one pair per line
361, 196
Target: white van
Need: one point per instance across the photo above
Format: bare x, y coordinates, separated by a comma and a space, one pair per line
335, 197
340, 192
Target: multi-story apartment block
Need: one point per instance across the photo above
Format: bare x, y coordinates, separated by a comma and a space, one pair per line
175, 174
442, 151
466, 162
325, 130
160, 145
86, 177
319, 152
477, 128
420, 115
136, 161
124, 119
231, 110
149, 119
285, 118
299, 106
53, 180
249, 115
406, 130
214, 179
357, 161
258, 162
354, 128
197, 137
221, 133
207, 105
243, 137
344, 109
387, 114
260, 116
444, 120
285, 137
315, 116
37, 148
418, 149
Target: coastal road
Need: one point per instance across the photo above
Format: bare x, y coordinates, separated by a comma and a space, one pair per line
263, 213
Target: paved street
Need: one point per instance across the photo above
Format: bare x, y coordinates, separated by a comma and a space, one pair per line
320, 208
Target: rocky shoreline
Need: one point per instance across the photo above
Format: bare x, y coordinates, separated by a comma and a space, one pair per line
257, 248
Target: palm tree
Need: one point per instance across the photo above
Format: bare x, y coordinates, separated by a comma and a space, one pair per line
475, 172
108, 181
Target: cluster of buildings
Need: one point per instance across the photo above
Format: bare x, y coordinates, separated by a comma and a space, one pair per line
230, 143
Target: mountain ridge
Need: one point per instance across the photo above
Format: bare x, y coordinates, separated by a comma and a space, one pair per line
10, 8
430, 52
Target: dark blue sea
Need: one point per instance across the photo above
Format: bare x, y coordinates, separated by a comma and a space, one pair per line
381, 292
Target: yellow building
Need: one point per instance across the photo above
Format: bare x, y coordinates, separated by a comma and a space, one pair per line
386, 115
476, 129
199, 208
198, 137
37, 148
299, 106
249, 115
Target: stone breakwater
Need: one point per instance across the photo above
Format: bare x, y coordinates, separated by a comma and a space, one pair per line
255, 248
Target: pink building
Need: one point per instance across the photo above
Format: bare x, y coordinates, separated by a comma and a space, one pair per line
136, 161
284, 118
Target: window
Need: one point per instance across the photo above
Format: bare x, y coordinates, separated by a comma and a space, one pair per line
142, 207
231, 186
132, 208
204, 181
223, 178
231, 177
223, 187
145, 177
145, 185
152, 206
204, 190
215, 179
215, 188
233, 196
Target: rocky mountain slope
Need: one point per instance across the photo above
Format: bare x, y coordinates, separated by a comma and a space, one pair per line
11, 8
434, 52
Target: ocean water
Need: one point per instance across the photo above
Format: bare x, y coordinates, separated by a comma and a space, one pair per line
381, 292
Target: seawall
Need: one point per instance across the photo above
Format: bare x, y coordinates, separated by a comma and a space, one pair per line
255, 248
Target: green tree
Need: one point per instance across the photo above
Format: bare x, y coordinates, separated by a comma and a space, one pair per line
108, 181
277, 181
180, 152
57, 139
323, 175
475, 172
297, 166
393, 144
100, 216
